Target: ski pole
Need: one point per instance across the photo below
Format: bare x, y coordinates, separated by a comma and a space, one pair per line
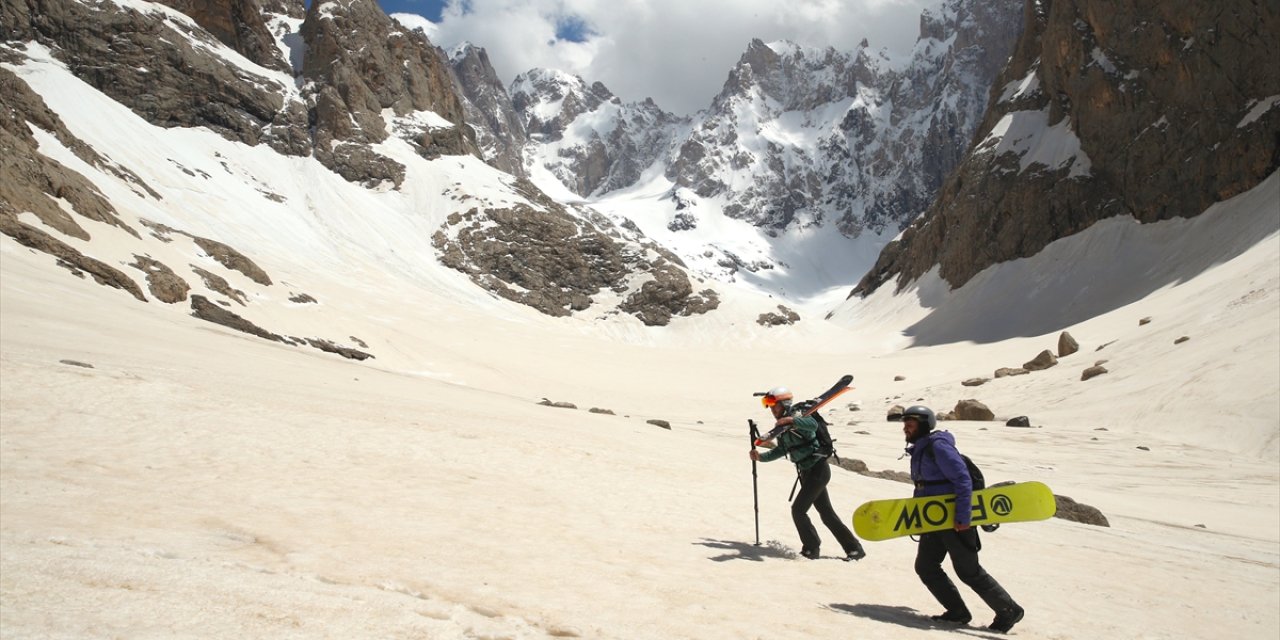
755, 493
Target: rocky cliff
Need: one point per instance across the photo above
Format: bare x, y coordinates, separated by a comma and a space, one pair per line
1148, 109
172, 68
499, 130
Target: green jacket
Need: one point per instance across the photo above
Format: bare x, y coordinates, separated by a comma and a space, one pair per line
799, 443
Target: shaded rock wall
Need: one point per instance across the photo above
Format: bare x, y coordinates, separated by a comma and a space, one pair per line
1166, 102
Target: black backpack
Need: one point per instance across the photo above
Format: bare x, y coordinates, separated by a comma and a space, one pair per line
826, 444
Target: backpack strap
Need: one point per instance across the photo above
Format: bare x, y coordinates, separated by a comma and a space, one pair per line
934, 456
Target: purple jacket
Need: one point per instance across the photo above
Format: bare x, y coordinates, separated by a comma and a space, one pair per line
936, 469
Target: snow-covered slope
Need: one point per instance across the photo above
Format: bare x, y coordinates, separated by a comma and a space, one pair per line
162, 476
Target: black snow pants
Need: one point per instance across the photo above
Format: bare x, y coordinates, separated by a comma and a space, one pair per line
963, 548
813, 493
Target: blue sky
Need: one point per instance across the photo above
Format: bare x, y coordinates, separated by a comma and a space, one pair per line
570, 28
678, 52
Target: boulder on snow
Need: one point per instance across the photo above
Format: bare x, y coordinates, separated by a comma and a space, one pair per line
1010, 371
1069, 509
1092, 372
1020, 421
562, 405
973, 410
1043, 361
899, 378
1181, 340
975, 382
784, 316
895, 413
1146, 320
660, 423
1067, 345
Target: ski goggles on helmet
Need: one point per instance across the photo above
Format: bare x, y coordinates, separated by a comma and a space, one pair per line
768, 401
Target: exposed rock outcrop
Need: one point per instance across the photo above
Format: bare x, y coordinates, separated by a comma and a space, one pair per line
219, 284
31, 181
165, 285
68, 256
555, 262
784, 315
234, 260
203, 309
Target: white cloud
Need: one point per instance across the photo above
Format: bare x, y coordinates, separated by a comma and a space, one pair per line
677, 52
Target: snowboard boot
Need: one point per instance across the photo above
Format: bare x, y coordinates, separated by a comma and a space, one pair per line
954, 617
1008, 613
1006, 619
855, 555
811, 554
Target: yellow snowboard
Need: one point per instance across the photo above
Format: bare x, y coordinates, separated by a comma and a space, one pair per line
1018, 502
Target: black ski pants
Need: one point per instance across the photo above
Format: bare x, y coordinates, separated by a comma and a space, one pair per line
813, 493
963, 548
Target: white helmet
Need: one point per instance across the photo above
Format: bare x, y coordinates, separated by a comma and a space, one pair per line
777, 395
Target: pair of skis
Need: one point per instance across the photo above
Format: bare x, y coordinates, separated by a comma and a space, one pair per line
841, 386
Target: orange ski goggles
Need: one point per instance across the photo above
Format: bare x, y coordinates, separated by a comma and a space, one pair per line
768, 401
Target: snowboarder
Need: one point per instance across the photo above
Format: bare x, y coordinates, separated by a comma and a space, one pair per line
938, 469
799, 442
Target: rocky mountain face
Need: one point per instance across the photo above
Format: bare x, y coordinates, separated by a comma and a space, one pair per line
1146, 109
499, 130
241, 25
163, 69
359, 65
331, 81
584, 135
363, 64
806, 136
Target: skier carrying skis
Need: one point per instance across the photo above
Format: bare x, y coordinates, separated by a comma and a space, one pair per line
800, 443
938, 469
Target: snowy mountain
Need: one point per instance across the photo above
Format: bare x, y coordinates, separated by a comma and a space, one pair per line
836, 150
587, 139
366, 112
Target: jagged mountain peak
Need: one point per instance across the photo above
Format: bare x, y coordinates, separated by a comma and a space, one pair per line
794, 76
552, 96
464, 49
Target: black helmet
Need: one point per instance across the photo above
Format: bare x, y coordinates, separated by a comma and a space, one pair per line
924, 415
